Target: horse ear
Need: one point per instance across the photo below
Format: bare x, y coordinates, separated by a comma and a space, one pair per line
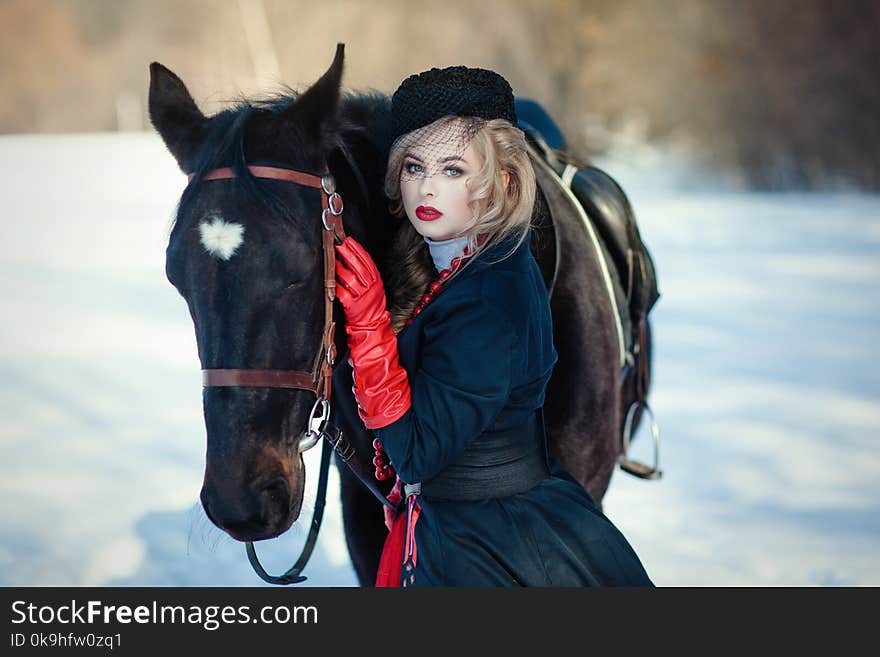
316, 107
174, 114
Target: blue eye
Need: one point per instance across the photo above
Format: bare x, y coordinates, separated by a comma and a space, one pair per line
453, 172
412, 167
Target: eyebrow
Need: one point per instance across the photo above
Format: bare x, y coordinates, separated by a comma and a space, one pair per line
450, 158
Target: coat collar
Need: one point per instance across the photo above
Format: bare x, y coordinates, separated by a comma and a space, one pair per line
499, 255
494, 256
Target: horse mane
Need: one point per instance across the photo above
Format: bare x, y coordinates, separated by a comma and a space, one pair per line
358, 141
363, 140
225, 146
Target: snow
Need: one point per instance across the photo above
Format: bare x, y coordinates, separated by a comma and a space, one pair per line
765, 383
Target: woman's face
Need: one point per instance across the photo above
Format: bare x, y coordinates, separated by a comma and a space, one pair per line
434, 188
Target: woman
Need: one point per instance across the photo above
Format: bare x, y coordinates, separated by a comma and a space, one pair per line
453, 380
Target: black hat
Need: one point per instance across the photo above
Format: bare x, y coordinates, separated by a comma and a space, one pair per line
425, 97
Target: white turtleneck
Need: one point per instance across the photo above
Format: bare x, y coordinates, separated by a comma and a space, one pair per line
444, 251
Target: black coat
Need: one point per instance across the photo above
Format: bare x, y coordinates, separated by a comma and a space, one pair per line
478, 358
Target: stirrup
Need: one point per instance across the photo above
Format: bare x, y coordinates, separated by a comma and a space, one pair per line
636, 468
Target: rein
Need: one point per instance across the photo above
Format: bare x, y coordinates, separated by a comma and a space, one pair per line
318, 380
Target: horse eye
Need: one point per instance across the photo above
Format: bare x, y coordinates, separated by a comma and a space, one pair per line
292, 287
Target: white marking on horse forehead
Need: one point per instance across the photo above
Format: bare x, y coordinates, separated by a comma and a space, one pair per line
220, 237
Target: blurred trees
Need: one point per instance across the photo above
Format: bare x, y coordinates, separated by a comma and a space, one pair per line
785, 92
808, 91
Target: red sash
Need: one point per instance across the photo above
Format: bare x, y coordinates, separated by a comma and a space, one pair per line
392, 554
400, 544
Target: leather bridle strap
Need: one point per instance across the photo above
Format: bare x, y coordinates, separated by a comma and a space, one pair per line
258, 379
318, 380
274, 173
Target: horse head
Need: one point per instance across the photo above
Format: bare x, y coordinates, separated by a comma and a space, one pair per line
247, 255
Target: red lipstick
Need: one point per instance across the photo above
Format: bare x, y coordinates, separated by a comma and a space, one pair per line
427, 213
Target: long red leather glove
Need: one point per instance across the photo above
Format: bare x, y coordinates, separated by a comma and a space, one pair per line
381, 384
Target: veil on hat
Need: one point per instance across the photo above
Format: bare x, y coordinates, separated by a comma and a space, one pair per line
474, 95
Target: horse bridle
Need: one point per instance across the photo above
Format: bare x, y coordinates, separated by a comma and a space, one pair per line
318, 380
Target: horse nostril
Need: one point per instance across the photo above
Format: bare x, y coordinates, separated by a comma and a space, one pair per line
264, 512
275, 494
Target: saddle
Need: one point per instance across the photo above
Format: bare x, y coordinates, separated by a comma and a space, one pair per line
605, 205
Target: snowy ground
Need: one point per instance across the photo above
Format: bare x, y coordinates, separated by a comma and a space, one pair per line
765, 383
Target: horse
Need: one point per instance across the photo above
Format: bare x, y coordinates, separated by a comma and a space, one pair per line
245, 253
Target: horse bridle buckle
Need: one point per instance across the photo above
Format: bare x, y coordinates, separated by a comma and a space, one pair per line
316, 425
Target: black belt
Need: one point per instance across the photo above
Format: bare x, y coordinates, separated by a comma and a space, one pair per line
496, 464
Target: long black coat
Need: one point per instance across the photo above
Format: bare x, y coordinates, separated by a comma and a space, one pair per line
478, 358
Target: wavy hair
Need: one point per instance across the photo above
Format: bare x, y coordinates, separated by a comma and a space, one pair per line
500, 210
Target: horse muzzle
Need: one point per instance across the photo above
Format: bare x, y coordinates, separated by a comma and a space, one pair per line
266, 508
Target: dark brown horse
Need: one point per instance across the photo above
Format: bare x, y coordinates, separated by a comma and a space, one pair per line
245, 253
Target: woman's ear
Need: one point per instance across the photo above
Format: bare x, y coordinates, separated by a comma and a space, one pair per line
506, 175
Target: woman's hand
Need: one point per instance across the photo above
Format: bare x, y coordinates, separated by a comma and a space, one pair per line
360, 289
380, 383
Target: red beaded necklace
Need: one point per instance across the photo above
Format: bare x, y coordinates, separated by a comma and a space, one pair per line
384, 469
437, 285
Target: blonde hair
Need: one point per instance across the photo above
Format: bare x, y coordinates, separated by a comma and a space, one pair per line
500, 210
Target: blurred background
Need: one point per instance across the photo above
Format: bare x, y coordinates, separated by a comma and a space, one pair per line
784, 94
745, 134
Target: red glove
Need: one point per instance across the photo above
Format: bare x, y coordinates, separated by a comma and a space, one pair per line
381, 384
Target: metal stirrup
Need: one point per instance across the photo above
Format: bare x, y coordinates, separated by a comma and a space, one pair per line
635, 467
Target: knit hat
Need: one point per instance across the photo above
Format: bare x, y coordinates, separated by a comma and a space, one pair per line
425, 97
